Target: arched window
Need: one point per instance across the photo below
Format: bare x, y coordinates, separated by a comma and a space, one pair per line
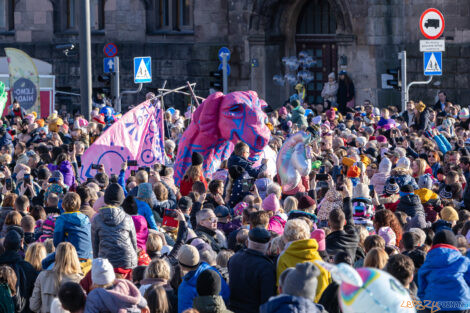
316, 34
170, 16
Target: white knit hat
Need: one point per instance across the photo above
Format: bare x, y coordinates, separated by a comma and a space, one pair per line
102, 272
385, 166
403, 163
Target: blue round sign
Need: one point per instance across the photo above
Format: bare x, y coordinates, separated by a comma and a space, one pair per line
228, 68
25, 91
226, 51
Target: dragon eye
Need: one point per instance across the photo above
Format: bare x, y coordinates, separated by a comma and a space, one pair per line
235, 108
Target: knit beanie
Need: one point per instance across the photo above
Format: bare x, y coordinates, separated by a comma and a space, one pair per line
144, 191
302, 281
403, 163
330, 114
425, 181
208, 283
114, 195
197, 158
353, 171
449, 214
319, 236
348, 161
188, 256
420, 106
385, 166
407, 189
388, 235
361, 190
102, 272
12, 241
271, 203
305, 202
445, 236
283, 111
392, 187
365, 160
235, 171
446, 192
381, 139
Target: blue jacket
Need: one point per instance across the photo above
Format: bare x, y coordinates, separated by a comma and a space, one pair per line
442, 143
287, 303
74, 228
144, 209
445, 275
237, 193
187, 290
247, 165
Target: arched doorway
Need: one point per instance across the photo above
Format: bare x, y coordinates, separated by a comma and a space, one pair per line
316, 34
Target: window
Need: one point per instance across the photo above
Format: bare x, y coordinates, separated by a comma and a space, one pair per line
97, 15
67, 16
170, 16
317, 17
70, 13
7, 21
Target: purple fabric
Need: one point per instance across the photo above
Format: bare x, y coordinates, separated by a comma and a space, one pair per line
141, 231
67, 171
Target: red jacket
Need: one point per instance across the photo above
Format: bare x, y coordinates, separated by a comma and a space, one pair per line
187, 184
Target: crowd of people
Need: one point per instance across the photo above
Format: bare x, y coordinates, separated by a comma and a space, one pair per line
387, 190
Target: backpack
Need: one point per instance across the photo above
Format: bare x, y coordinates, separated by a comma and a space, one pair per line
6, 300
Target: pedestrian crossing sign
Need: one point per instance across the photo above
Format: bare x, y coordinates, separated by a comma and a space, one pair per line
432, 63
142, 70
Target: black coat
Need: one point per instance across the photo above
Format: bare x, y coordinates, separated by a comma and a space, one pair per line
252, 280
246, 165
329, 298
26, 276
345, 94
208, 235
346, 240
411, 205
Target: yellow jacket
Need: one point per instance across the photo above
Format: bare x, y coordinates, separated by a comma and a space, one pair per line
300, 251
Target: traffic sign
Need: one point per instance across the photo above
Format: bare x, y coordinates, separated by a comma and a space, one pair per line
432, 63
432, 45
228, 68
108, 65
222, 51
432, 23
142, 70
110, 50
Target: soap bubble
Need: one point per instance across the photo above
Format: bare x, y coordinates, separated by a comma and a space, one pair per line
308, 62
306, 76
303, 54
291, 79
278, 80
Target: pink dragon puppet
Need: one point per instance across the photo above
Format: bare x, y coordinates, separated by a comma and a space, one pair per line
217, 125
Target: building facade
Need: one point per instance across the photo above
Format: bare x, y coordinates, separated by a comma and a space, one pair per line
362, 37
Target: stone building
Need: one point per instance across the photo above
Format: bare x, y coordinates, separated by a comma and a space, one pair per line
183, 37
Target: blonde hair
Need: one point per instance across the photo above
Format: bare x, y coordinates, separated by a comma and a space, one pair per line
8, 277
274, 188
290, 204
66, 261
376, 258
35, 254
49, 245
13, 218
154, 243
421, 167
194, 172
158, 268
223, 257
141, 177
71, 202
296, 229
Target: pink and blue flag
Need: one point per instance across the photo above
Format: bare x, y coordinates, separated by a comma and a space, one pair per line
138, 135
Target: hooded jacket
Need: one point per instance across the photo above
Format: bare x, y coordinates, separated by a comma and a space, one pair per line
144, 209
65, 167
113, 237
25, 274
287, 303
252, 280
390, 202
141, 231
74, 227
378, 181
411, 205
210, 304
445, 275
123, 297
298, 116
300, 251
187, 289
402, 178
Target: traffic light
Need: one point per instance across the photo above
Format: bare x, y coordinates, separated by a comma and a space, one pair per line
106, 80
395, 82
217, 84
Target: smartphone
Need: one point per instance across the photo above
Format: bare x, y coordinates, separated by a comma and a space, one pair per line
88, 179
322, 169
8, 185
339, 182
132, 163
371, 190
322, 177
27, 178
247, 184
169, 218
132, 172
95, 166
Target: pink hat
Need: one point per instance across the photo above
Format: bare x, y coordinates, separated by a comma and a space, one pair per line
388, 235
331, 114
271, 203
381, 139
238, 209
319, 236
283, 111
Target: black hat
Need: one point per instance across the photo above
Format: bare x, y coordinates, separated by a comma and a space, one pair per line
102, 179
43, 173
372, 152
221, 211
235, 171
12, 241
407, 188
445, 236
259, 235
185, 203
197, 158
114, 195
208, 283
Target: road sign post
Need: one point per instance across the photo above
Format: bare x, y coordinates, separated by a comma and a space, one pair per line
432, 63
224, 57
142, 70
109, 65
432, 23
116, 86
